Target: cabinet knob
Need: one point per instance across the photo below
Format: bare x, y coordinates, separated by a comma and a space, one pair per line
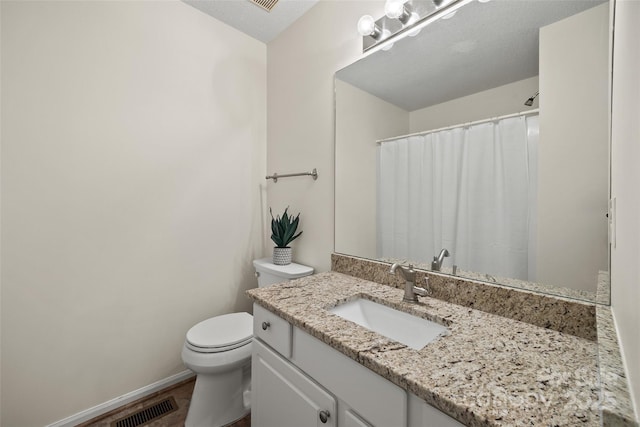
265, 325
324, 416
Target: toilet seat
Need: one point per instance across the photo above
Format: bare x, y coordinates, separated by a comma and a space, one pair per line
221, 333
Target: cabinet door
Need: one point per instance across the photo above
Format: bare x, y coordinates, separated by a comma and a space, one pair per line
282, 396
421, 414
351, 419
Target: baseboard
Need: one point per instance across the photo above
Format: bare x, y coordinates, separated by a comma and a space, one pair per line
125, 399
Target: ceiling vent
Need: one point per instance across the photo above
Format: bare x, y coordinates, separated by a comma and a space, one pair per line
265, 4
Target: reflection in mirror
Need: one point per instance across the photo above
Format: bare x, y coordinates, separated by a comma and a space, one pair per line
436, 149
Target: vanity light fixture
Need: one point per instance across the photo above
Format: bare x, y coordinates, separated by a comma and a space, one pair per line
404, 18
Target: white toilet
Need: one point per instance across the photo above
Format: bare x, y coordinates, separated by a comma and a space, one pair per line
218, 350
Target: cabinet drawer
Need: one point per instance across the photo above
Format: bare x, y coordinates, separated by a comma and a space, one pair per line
273, 330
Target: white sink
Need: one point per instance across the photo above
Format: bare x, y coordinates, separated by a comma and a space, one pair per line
412, 331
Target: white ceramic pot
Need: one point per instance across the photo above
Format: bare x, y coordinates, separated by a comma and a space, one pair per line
282, 256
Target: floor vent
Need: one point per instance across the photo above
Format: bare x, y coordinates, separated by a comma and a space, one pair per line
265, 4
148, 414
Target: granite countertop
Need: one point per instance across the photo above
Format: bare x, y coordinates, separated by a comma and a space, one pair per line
487, 371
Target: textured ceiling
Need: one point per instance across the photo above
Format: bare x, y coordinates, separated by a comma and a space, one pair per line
252, 19
483, 46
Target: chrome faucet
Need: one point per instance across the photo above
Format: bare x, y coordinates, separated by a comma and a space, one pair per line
436, 264
410, 289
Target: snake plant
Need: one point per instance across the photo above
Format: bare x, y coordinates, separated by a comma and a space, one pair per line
283, 229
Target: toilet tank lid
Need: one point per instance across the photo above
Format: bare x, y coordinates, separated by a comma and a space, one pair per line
290, 271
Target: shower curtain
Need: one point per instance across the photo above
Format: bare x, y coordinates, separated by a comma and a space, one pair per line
471, 190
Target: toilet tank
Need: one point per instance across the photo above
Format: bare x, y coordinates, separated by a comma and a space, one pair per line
268, 273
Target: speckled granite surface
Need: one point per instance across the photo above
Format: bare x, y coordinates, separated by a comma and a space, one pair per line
560, 314
487, 371
616, 408
603, 295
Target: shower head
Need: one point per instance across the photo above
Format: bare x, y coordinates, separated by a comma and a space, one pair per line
529, 102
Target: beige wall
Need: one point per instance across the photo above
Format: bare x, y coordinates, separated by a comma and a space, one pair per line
301, 65
625, 141
133, 151
361, 119
573, 153
506, 99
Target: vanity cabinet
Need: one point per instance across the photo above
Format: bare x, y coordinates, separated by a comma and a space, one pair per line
299, 381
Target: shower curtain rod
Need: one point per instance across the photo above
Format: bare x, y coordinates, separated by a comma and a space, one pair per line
477, 122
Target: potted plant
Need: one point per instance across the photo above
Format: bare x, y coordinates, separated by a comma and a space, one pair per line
283, 232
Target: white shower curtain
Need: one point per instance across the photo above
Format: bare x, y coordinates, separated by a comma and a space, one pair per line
471, 190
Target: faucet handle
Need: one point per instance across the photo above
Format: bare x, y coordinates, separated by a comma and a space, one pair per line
426, 286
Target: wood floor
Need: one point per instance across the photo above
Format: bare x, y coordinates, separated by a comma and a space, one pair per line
181, 392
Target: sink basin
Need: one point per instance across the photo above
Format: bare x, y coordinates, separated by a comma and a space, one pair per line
412, 331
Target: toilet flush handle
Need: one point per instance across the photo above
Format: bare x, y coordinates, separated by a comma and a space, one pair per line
265, 325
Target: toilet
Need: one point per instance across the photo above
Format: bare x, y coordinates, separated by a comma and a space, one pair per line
218, 350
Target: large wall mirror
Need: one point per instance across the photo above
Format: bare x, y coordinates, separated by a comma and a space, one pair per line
485, 135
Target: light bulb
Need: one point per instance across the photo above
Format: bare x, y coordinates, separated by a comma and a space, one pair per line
450, 15
366, 25
394, 8
385, 34
414, 18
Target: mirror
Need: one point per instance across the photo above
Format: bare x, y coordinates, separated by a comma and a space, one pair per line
468, 77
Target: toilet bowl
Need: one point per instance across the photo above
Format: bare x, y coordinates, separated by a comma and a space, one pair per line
218, 350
